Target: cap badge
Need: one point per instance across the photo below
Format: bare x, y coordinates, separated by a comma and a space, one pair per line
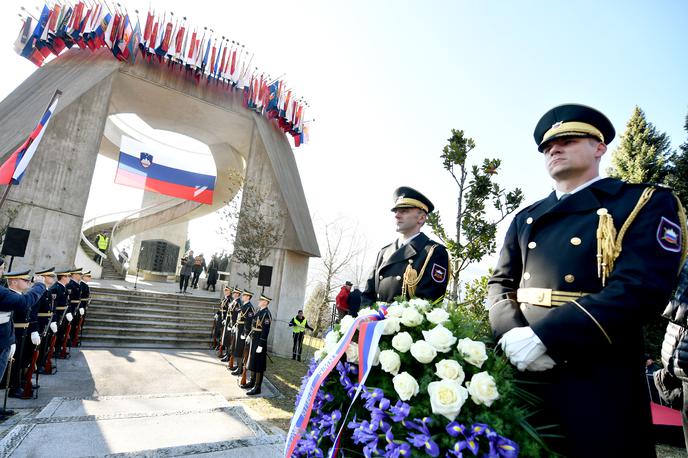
557, 124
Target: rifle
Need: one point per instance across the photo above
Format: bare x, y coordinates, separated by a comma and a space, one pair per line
213, 334
247, 349
232, 345
77, 330
28, 384
51, 350
63, 351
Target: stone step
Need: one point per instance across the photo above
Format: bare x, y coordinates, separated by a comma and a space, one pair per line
152, 295
197, 326
115, 340
95, 329
96, 314
154, 310
175, 298
138, 303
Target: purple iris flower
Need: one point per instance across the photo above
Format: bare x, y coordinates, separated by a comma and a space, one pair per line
454, 429
400, 411
372, 397
397, 450
506, 447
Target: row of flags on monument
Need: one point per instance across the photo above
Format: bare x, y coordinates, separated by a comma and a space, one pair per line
201, 54
142, 166
12, 170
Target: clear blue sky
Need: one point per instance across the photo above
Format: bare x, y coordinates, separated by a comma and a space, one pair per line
388, 80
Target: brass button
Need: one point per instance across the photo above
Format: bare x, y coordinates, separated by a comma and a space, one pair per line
575, 241
602, 211
398, 277
410, 261
569, 278
529, 220
381, 277
532, 245
526, 275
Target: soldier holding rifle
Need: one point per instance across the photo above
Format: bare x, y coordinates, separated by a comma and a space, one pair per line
257, 360
243, 329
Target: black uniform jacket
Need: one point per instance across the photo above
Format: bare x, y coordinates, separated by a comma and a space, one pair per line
596, 339
385, 282
45, 310
85, 296
60, 302
244, 321
10, 301
257, 362
74, 292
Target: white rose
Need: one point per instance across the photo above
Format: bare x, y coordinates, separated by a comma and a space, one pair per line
345, 324
352, 352
411, 317
395, 310
402, 342
483, 389
331, 340
450, 369
446, 398
318, 355
437, 316
473, 352
391, 326
366, 311
420, 304
405, 386
440, 337
390, 361
423, 351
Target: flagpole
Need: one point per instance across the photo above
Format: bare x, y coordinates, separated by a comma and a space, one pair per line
9, 185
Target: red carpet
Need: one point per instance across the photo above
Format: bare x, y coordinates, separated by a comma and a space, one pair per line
665, 416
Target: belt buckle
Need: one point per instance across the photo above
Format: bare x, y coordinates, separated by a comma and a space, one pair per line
535, 296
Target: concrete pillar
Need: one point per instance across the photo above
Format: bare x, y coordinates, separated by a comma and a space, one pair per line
53, 193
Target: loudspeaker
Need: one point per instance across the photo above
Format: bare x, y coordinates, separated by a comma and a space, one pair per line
264, 275
15, 242
158, 256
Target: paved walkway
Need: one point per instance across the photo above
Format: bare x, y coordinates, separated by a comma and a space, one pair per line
138, 403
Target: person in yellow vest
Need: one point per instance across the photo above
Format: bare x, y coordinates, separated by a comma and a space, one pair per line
102, 242
300, 325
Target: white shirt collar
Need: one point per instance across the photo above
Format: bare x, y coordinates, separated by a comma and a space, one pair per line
14, 290
401, 242
579, 188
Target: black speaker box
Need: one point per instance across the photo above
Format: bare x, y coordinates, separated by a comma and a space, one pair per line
15, 242
264, 275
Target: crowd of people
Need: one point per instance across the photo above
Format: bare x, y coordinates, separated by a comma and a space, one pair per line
191, 268
41, 320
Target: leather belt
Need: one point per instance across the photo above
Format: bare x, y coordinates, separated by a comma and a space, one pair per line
61, 308
21, 325
44, 314
77, 301
547, 297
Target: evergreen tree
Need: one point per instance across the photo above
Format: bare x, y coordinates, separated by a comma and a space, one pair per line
644, 154
678, 177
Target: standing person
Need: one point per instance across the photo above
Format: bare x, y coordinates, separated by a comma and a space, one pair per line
232, 312
342, 300
46, 308
74, 296
212, 273
102, 242
354, 301
185, 272
221, 321
579, 274
58, 326
13, 301
300, 324
257, 360
85, 298
242, 331
413, 265
198, 267
675, 350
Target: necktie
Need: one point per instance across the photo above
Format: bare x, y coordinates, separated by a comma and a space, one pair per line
564, 196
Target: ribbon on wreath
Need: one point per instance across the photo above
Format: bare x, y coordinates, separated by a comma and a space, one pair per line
369, 336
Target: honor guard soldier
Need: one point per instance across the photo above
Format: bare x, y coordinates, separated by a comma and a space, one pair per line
62, 314
414, 265
232, 312
221, 320
74, 288
45, 310
243, 330
257, 360
85, 300
18, 283
579, 274
58, 292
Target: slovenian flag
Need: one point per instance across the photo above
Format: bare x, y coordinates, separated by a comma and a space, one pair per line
142, 167
12, 170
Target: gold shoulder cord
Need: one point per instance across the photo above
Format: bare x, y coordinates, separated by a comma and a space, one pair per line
412, 278
608, 242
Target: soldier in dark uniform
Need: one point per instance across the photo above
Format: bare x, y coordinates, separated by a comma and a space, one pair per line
234, 304
242, 331
63, 310
579, 274
257, 360
85, 298
13, 301
74, 314
45, 310
414, 265
58, 323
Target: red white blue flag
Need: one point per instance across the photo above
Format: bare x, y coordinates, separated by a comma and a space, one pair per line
12, 170
140, 166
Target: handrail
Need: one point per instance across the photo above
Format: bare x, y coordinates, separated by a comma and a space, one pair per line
92, 246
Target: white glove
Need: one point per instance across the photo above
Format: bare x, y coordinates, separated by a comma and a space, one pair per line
224, 322
81, 311
13, 348
53, 327
69, 316
35, 338
39, 279
543, 363
522, 347
259, 350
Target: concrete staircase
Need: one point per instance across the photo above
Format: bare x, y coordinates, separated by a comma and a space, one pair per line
110, 272
124, 318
